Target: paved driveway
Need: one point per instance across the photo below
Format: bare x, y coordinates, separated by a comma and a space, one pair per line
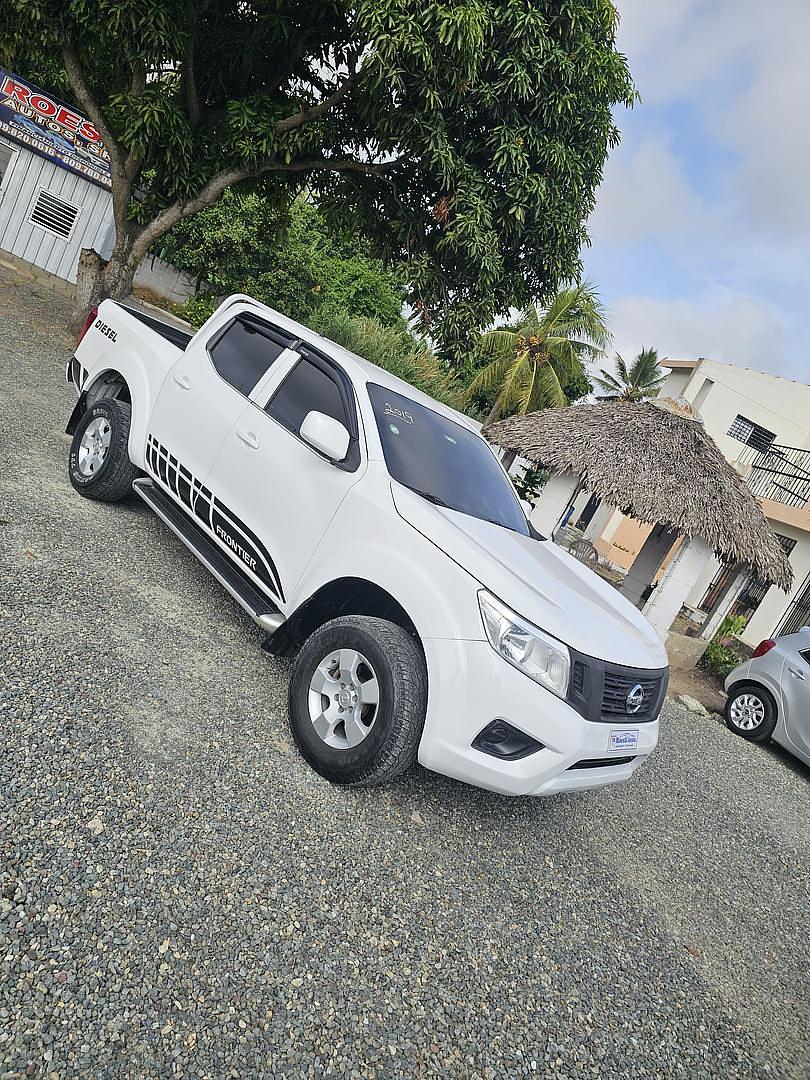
181, 896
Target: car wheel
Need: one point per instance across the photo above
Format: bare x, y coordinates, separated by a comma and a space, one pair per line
358, 696
98, 465
750, 711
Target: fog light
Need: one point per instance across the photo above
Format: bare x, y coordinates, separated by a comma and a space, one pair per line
501, 740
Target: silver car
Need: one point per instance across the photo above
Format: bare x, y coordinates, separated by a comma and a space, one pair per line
769, 695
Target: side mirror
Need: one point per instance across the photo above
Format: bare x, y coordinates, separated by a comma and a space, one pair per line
325, 434
527, 508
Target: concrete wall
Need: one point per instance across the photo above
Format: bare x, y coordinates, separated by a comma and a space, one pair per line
553, 501
765, 620
646, 564
684, 569
165, 280
780, 405
626, 542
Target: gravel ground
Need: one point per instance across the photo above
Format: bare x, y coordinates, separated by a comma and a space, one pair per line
181, 896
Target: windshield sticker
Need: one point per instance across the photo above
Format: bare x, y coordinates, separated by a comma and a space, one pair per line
450, 439
401, 413
393, 429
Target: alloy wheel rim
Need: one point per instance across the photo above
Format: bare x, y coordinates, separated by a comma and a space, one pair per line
94, 446
747, 712
343, 699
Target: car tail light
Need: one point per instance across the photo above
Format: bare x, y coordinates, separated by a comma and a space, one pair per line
88, 322
763, 647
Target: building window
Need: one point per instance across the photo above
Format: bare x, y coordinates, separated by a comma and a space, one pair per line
52, 213
746, 431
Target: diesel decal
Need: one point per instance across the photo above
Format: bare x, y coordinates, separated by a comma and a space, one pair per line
107, 331
240, 551
213, 515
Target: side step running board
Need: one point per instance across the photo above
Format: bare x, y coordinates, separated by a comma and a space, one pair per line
244, 592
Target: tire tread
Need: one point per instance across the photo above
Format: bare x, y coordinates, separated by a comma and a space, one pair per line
399, 753
115, 482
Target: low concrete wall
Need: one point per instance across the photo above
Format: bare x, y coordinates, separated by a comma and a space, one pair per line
164, 280
684, 652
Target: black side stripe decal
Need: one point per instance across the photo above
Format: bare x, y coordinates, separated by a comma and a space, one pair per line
213, 515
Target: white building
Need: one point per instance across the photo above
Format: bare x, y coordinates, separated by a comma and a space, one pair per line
761, 423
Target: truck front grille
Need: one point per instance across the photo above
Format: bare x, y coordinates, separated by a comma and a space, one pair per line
618, 687
603, 692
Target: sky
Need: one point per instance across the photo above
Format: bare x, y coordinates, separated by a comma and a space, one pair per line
700, 241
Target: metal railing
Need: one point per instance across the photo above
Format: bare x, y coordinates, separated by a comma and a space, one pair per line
780, 473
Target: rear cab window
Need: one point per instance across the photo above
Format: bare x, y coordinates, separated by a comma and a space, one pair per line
244, 351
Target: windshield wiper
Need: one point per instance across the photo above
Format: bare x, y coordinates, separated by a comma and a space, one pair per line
430, 497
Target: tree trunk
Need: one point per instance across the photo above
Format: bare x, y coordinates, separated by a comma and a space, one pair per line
99, 279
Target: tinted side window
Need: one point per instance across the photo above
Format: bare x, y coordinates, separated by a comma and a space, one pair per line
243, 353
305, 389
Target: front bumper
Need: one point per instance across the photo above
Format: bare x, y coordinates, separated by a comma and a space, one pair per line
469, 685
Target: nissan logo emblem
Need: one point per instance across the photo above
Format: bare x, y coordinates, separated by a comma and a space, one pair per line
635, 699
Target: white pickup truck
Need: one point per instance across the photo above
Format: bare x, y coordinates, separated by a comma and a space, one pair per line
373, 533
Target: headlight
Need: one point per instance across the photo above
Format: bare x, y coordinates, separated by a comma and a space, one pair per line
539, 655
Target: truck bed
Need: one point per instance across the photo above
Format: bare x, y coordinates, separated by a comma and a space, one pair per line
175, 334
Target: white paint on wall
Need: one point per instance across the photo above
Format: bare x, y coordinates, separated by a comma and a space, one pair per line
553, 501
766, 619
780, 405
678, 580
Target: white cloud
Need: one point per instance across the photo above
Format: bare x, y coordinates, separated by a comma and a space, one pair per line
734, 329
768, 127
726, 229
680, 50
644, 195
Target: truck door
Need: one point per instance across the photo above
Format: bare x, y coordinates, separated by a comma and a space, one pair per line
281, 491
204, 393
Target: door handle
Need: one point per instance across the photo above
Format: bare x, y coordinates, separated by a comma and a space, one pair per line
796, 673
248, 438
183, 381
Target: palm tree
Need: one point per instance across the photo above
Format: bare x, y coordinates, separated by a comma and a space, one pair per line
528, 364
643, 380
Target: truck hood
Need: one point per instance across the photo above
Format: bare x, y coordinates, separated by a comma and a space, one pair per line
541, 582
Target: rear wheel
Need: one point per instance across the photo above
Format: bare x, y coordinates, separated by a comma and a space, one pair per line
750, 711
99, 466
358, 696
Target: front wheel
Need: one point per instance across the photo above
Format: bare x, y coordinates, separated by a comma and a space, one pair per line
750, 711
358, 696
99, 466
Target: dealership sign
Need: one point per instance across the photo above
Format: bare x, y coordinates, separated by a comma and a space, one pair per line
52, 129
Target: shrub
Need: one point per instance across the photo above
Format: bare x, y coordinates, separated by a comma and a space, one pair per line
721, 657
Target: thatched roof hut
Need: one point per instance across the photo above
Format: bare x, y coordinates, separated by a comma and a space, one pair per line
655, 466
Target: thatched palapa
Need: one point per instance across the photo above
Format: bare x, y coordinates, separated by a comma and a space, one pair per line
657, 467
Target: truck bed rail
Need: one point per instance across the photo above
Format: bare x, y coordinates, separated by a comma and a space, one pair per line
175, 334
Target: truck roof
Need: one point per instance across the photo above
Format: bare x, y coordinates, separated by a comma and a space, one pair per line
356, 367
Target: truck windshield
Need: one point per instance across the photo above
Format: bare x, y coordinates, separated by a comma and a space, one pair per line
443, 461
